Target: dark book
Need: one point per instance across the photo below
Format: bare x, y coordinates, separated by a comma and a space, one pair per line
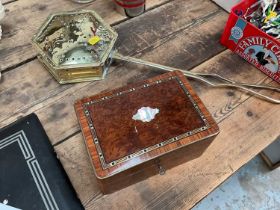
31, 176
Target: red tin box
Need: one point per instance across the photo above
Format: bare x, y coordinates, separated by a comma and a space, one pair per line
251, 43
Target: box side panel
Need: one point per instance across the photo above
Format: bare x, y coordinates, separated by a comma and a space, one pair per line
154, 167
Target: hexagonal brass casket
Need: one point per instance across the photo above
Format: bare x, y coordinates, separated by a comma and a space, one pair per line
75, 46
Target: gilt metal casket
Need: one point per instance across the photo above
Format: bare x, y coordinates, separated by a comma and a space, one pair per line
75, 46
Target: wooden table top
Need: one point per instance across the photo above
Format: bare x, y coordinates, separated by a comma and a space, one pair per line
177, 33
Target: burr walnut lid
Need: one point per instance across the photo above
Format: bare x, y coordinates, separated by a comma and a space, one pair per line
128, 126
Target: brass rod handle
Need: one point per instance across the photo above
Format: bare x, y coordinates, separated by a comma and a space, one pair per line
201, 77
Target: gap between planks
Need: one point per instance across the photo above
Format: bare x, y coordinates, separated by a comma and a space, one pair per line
13, 67
5, 2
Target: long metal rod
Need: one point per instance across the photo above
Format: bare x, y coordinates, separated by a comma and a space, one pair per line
243, 84
200, 76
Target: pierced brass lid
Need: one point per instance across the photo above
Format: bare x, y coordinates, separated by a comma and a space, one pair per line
74, 40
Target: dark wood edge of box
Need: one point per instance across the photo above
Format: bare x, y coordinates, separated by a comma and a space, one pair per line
268, 162
157, 166
101, 173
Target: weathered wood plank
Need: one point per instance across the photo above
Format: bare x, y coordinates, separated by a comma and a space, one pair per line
82, 167
228, 65
243, 135
204, 33
25, 17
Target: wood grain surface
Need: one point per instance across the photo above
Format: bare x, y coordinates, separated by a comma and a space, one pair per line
172, 32
115, 128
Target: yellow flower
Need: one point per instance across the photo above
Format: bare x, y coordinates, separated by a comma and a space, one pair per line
270, 15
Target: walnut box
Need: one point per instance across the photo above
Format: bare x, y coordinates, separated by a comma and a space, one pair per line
133, 132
